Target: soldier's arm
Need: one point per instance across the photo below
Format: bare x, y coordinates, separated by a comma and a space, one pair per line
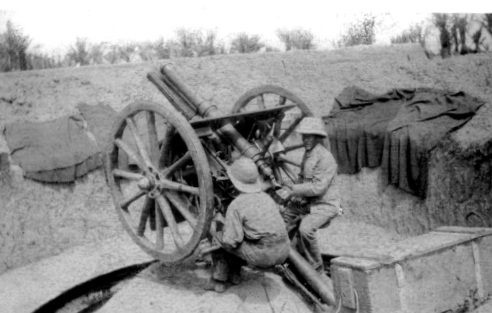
232, 234
323, 174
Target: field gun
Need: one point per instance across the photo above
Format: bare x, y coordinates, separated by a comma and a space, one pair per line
166, 164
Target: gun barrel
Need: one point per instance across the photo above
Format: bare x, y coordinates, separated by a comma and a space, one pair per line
311, 277
178, 101
203, 106
190, 104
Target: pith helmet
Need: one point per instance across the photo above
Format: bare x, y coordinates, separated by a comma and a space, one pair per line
244, 175
312, 126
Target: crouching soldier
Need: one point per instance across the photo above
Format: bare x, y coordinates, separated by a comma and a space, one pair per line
317, 187
253, 230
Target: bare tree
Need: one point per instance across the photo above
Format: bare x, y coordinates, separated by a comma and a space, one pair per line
461, 24
186, 40
414, 34
441, 21
361, 32
162, 48
244, 43
96, 53
207, 44
13, 48
487, 24
78, 54
478, 39
454, 34
197, 43
126, 50
298, 38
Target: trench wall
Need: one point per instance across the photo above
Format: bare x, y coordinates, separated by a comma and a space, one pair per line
39, 220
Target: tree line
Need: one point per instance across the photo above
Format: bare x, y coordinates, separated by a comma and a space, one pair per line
454, 29
459, 34
14, 44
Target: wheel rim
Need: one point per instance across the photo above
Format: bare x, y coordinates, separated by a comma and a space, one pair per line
277, 135
164, 200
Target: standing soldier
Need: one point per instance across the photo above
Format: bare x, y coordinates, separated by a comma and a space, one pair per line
316, 187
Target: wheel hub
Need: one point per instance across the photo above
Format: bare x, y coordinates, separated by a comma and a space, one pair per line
150, 184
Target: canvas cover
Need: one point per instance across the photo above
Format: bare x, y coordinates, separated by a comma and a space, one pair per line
396, 130
62, 149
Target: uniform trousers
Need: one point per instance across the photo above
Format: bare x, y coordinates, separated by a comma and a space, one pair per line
262, 253
312, 218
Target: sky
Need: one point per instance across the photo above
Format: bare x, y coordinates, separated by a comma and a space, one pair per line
54, 25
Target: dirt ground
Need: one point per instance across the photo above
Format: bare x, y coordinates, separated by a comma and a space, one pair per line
39, 220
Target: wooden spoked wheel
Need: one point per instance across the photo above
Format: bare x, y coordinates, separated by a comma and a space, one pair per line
277, 135
160, 180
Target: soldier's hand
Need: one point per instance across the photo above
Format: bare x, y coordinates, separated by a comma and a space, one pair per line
285, 193
288, 183
219, 218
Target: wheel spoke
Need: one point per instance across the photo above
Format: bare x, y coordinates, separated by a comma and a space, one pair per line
277, 174
125, 203
127, 175
177, 165
123, 146
291, 128
153, 141
171, 222
260, 100
159, 227
284, 158
267, 146
182, 204
294, 147
278, 125
148, 205
152, 217
252, 131
168, 184
281, 100
140, 145
165, 145
288, 171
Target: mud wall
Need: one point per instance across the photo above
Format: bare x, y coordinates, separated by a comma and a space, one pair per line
38, 220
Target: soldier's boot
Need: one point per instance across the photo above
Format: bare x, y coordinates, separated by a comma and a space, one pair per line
235, 278
215, 285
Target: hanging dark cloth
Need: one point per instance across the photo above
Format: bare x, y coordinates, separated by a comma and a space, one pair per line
396, 130
357, 126
419, 126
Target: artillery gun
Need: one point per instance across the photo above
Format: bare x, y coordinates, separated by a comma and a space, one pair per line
166, 166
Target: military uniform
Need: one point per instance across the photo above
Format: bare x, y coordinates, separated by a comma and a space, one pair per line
317, 185
253, 231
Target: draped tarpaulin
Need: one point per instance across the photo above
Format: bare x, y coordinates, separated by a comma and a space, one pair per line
396, 130
100, 119
58, 150
62, 149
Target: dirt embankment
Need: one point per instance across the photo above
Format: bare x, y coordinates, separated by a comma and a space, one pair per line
38, 220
